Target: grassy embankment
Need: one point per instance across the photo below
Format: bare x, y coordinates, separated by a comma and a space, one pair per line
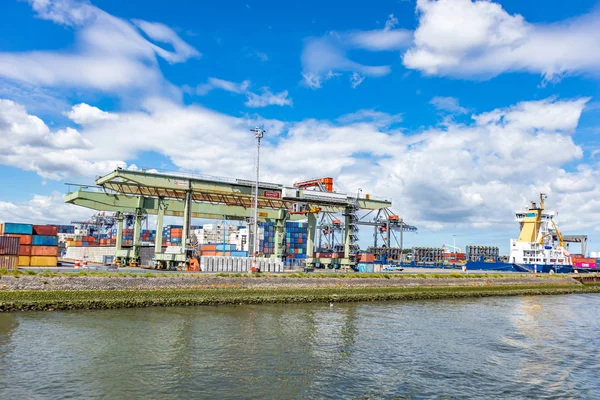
21, 300
315, 275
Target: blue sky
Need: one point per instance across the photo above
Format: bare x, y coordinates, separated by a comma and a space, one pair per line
459, 110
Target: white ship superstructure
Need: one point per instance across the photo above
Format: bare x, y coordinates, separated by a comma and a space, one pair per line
540, 242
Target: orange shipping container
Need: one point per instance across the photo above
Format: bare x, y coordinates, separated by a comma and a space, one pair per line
211, 253
23, 239
44, 251
209, 247
24, 250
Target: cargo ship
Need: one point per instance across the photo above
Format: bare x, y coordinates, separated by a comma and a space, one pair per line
540, 247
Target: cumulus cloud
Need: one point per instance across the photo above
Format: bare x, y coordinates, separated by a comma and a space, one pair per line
85, 114
104, 44
479, 38
254, 100
455, 174
40, 209
33, 146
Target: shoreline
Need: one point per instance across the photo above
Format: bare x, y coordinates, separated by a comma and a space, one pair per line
38, 292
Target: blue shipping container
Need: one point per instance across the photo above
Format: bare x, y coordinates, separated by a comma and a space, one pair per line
226, 247
18, 229
39, 240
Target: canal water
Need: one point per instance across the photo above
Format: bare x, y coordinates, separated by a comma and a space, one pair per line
503, 347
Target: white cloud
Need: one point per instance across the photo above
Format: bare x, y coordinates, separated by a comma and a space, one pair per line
266, 98
85, 114
468, 175
164, 34
327, 54
373, 117
216, 83
42, 210
391, 22
51, 154
356, 79
382, 39
479, 38
104, 44
449, 104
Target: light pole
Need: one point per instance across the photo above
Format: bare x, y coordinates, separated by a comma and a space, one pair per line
258, 135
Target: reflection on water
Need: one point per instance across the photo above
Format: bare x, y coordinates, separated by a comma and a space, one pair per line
487, 348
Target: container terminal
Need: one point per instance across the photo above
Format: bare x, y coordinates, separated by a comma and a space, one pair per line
307, 224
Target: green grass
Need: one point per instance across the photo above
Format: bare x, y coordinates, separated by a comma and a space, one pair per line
311, 275
23, 300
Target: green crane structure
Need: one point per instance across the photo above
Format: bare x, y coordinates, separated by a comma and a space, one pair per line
190, 196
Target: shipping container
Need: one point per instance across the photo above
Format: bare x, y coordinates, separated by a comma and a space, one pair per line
19, 229
44, 240
9, 245
44, 251
25, 250
24, 261
43, 261
24, 239
9, 261
45, 230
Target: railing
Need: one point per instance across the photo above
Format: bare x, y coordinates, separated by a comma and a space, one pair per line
238, 264
74, 188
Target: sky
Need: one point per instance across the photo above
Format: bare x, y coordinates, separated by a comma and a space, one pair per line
460, 111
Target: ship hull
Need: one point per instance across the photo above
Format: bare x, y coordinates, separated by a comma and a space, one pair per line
506, 267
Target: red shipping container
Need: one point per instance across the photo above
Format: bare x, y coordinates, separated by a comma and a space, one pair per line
9, 245
44, 251
45, 230
25, 250
24, 239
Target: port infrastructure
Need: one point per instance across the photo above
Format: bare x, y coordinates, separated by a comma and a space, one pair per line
195, 196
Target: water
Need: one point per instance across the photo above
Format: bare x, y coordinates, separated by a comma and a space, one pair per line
518, 347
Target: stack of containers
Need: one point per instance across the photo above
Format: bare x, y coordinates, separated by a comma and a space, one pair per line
9, 252
88, 241
44, 246
67, 229
176, 236
148, 236
127, 237
296, 238
267, 242
23, 232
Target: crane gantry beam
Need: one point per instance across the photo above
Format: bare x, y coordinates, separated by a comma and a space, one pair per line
192, 196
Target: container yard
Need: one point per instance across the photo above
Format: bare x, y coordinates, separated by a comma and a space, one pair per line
37, 245
305, 225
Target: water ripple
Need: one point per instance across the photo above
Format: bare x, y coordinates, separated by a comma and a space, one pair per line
497, 348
